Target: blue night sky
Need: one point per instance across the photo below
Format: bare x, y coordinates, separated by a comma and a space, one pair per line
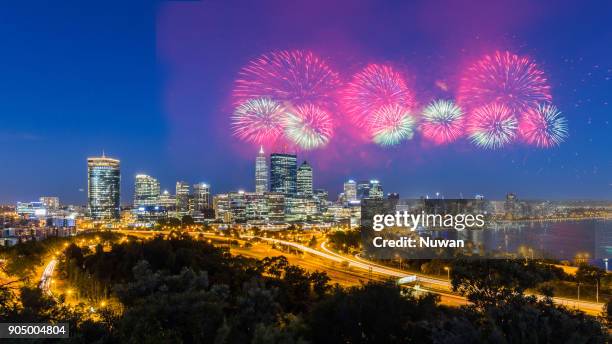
150, 83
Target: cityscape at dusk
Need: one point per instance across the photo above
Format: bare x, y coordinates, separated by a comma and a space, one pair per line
306, 172
163, 106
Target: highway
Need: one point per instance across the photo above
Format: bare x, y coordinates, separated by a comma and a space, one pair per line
45, 279
586, 306
371, 267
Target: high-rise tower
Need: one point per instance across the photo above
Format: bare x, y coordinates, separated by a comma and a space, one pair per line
261, 172
304, 180
350, 191
146, 191
182, 197
103, 187
283, 173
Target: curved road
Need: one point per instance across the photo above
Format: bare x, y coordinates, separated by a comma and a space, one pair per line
586, 306
45, 279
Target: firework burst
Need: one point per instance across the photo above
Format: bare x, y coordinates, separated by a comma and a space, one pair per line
442, 122
492, 126
391, 125
296, 76
258, 120
543, 126
308, 126
504, 78
371, 89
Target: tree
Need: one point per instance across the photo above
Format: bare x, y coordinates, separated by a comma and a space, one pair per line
187, 220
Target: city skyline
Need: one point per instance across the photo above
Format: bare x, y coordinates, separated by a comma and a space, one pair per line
163, 105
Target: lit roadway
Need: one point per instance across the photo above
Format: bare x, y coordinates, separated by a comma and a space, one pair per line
370, 267
586, 306
45, 279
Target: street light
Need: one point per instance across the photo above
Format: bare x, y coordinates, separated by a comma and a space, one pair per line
447, 272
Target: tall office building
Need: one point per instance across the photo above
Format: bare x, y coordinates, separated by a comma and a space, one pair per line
376, 190
146, 191
182, 197
283, 173
261, 172
276, 206
363, 189
167, 201
304, 180
103, 187
201, 196
221, 205
350, 191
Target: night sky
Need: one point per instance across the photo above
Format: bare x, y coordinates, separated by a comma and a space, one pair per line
150, 84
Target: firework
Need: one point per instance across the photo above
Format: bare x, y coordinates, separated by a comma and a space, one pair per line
442, 122
492, 126
371, 89
296, 77
543, 126
308, 126
391, 125
504, 78
258, 120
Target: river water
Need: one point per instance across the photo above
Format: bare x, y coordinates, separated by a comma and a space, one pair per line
563, 240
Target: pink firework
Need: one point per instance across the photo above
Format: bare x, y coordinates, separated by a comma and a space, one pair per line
258, 121
391, 125
308, 126
492, 126
296, 77
371, 89
504, 78
442, 122
543, 126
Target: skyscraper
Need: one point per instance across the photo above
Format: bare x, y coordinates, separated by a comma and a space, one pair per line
103, 187
201, 196
363, 189
261, 172
350, 191
376, 190
167, 201
304, 180
146, 191
182, 197
283, 173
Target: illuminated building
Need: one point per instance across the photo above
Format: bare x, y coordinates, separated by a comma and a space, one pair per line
51, 203
201, 196
283, 173
363, 189
182, 197
167, 201
350, 191
256, 207
237, 205
146, 191
221, 205
261, 172
276, 206
376, 190
304, 180
301, 209
103, 188
31, 210
200, 206
321, 196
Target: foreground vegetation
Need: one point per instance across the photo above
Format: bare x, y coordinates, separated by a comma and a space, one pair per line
182, 290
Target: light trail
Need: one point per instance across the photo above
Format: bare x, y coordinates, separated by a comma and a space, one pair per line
45, 279
361, 263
